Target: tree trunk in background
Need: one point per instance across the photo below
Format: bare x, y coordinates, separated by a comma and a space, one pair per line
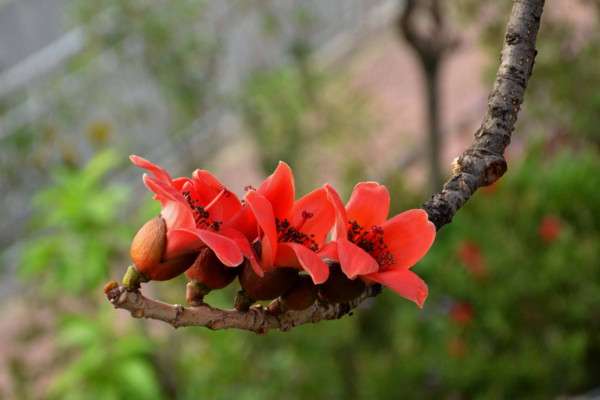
433, 127
431, 44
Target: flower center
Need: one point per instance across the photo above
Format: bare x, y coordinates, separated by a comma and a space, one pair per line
289, 233
372, 242
201, 213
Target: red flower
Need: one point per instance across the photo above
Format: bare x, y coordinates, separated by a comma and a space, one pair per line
470, 254
291, 232
194, 211
549, 228
462, 313
373, 248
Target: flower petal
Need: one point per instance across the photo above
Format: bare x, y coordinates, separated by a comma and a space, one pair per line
314, 215
354, 260
408, 236
244, 222
263, 212
206, 186
329, 251
340, 229
369, 204
404, 282
242, 242
296, 255
278, 188
176, 213
155, 170
180, 242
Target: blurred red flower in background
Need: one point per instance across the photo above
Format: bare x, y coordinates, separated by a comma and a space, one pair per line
549, 228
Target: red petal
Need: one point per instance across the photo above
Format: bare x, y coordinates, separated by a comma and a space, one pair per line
244, 247
296, 255
157, 171
340, 229
263, 212
244, 222
180, 242
162, 189
354, 260
403, 282
329, 251
206, 186
322, 215
279, 190
180, 183
408, 236
175, 211
184, 241
369, 204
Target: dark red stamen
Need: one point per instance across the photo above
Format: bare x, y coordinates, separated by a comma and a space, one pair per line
372, 242
289, 233
202, 216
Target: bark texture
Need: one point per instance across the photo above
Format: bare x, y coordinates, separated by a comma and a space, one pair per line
257, 319
483, 162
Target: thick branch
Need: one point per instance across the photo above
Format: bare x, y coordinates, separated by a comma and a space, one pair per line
258, 319
483, 162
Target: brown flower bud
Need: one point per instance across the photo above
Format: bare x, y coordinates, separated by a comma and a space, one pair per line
338, 288
273, 284
207, 269
147, 249
149, 243
302, 295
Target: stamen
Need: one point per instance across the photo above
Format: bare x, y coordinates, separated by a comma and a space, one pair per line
288, 233
372, 242
202, 216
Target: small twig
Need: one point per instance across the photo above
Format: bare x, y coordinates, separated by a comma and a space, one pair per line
257, 319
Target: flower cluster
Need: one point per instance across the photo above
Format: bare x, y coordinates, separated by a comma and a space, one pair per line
296, 251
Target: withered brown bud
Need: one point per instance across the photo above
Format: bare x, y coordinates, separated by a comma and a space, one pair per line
302, 295
273, 284
338, 288
208, 270
149, 243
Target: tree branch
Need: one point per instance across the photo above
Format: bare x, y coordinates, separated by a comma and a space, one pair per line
483, 162
257, 319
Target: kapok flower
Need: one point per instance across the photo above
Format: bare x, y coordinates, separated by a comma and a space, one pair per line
193, 211
376, 249
291, 232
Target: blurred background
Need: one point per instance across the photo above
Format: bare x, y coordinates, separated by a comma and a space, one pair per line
344, 91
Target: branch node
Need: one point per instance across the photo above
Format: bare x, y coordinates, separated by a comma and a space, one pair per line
137, 313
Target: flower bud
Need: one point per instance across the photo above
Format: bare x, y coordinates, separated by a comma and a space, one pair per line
149, 244
147, 249
302, 295
207, 269
273, 284
338, 288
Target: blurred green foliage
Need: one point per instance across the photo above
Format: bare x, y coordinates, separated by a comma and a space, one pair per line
78, 228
